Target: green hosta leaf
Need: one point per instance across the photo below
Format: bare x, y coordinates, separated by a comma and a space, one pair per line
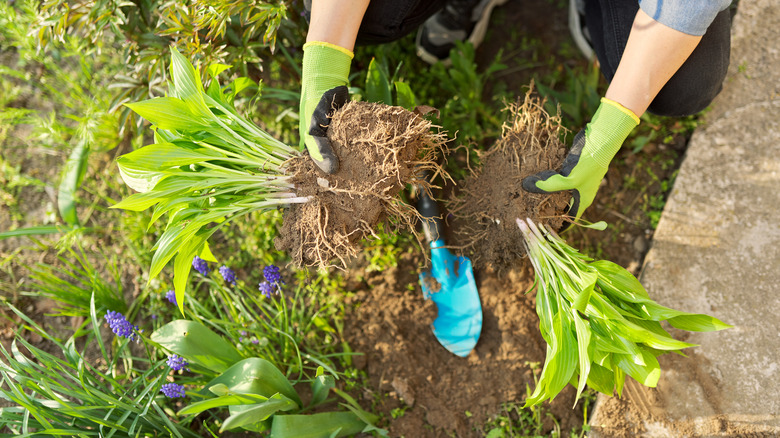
163, 156
187, 84
182, 264
205, 254
321, 386
167, 191
198, 344
258, 413
255, 376
601, 379
377, 84
222, 401
583, 343
647, 375
168, 113
138, 179
559, 365
614, 278
698, 323
404, 96
323, 425
586, 285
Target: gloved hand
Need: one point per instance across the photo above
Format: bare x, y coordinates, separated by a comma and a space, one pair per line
589, 157
324, 81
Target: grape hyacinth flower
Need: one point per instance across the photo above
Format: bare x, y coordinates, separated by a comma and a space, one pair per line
201, 266
177, 363
171, 296
272, 275
228, 275
266, 289
121, 326
172, 390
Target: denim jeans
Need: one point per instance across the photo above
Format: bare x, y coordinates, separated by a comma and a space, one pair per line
693, 86
690, 90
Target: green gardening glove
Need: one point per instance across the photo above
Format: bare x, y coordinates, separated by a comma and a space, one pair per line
324, 81
589, 157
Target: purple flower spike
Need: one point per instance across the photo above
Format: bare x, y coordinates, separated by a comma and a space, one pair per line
266, 288
201, 266
177, 363
171, 297
228, 275
120, 326
172, 390
272, 275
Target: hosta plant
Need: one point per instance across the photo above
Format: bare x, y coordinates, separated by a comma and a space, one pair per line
208, 164
598, 320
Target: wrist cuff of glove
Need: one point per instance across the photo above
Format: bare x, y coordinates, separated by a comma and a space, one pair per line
608, 130
327, 46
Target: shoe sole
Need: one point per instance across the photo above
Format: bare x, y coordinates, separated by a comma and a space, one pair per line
476, 38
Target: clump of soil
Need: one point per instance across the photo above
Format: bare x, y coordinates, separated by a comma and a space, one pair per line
492, 198
381, 149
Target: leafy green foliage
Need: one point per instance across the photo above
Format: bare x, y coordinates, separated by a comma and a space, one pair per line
241, 34
208, 165
69, 395
258, 396
77, 281
599, 322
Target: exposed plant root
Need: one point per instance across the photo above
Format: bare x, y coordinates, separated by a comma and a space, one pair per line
381, 150
492, 198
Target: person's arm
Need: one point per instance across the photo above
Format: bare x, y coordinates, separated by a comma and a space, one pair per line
336, 21
327, 56
653, 54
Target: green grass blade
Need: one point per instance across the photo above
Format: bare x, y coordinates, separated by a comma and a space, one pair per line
72, 176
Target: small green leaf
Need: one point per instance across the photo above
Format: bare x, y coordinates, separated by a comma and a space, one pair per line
698, 323
258, 413
322, 425
404, 95
320, 387
215, 69
198, 344
72, 176
222, 401
255, 376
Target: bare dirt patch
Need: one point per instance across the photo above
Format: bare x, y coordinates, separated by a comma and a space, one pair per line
446, 395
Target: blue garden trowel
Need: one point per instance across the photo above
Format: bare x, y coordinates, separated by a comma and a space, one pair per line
450, 285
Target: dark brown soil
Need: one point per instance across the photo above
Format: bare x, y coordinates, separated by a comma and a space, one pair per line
446, 395
492, 199
381, 149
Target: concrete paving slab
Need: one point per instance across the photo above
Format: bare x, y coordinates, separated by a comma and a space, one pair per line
717, 250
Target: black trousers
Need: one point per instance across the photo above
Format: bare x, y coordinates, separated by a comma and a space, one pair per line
609, 22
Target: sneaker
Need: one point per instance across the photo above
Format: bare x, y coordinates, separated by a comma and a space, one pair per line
578, 29
460, 20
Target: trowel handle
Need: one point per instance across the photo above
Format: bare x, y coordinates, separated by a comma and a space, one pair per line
432, 222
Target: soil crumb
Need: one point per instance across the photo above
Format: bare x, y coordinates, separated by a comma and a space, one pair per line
490, 200
381, 149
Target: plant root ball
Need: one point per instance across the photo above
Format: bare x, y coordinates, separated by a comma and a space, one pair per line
492, 197
381, 149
